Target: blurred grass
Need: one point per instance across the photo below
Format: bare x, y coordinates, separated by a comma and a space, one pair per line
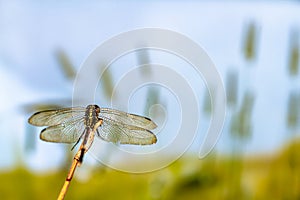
250, 43
293, 118
262, 177
293, 56
68, 69
241, 125
107, 82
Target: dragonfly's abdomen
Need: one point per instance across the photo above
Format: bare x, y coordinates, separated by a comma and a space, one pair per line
88, 138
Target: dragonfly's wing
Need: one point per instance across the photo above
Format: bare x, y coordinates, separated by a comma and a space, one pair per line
126, 118
68, 132
54, 117
112, 131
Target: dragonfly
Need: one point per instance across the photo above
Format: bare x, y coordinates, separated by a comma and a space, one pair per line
75, 124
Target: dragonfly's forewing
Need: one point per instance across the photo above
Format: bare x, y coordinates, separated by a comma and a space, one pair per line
68, 132
126, 118
116, 132
54, 117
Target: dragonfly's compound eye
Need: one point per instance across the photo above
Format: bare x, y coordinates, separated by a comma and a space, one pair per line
97, 108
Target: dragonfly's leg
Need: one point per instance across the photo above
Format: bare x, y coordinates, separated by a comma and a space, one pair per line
77, 141
99, 123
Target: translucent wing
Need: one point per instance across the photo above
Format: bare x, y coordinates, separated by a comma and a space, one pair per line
54, 117
126, 118
112, 131
68, 132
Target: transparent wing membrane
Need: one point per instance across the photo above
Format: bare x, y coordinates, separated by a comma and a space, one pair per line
116, 132
68, 132
126, 118
54, 117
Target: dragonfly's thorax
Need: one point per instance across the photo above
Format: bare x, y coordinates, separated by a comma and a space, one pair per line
91, 115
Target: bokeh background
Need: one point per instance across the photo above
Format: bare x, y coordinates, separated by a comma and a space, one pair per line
254, 45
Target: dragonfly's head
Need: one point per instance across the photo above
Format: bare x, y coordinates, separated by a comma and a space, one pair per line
94, 107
